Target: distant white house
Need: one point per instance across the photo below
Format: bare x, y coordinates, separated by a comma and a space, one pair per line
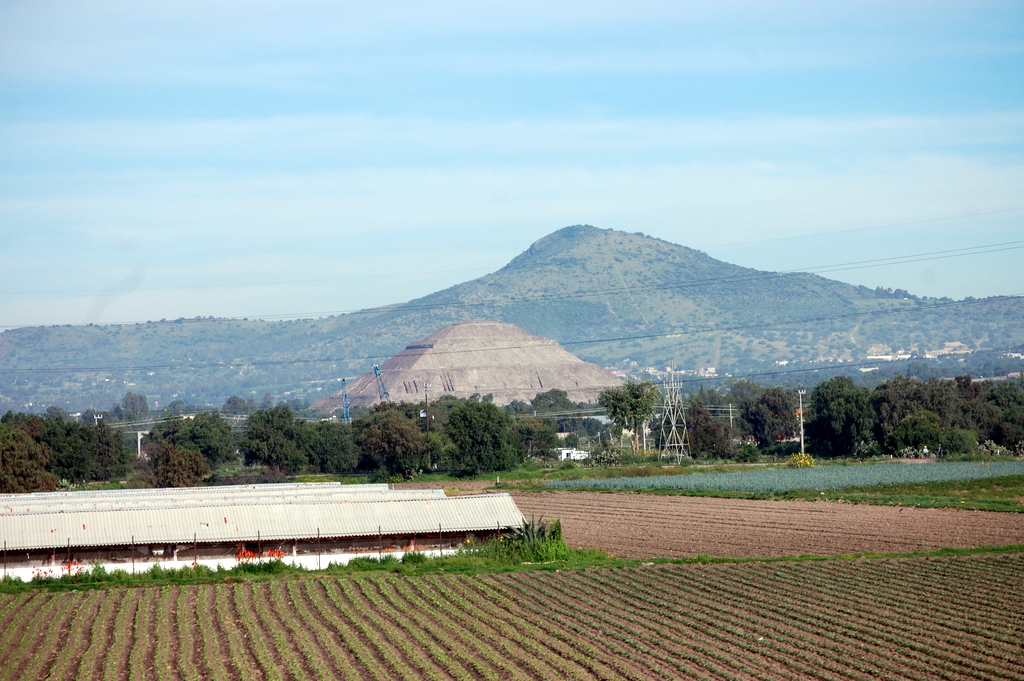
574, 454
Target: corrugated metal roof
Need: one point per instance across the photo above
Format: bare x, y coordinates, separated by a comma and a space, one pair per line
284, 487
269, 522
169, 499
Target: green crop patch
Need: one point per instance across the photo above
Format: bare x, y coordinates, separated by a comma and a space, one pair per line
782, 480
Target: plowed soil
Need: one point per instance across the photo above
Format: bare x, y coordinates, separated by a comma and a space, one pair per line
648, 525
949, 617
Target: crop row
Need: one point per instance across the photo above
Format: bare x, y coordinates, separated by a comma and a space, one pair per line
940, 618
767, 481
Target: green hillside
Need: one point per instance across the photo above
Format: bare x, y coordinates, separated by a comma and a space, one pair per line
669, 305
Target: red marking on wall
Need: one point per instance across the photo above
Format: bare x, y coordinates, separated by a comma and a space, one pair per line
225, 521
83, 526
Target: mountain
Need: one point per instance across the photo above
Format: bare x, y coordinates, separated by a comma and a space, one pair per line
608, 297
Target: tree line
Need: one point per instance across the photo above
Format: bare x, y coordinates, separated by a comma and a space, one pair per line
183, 447
37, 453
901, 417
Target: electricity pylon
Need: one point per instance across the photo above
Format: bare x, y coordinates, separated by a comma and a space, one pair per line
674, 441
382, 387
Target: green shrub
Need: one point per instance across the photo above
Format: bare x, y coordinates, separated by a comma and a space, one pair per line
266, 567
369, 563
535, 541
958, 441
917, 431
364, 563
748, 453
782, 450
414, 558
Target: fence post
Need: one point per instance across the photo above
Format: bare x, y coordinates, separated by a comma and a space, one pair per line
259, 544
380, 545
133, 554
439, 549
5, 559
195, 549
318, 548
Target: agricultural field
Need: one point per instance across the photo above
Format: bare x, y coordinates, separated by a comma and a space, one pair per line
833, 477
644, 525
935, 618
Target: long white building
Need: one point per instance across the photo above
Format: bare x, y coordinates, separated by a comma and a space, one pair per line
308, 524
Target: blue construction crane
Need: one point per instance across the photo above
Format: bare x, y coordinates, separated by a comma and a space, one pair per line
382, 387
346, 412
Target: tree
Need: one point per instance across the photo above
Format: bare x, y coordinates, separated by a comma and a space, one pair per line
1008, 398
841, 417
23, 463
274, 439
75, 452
552, 400
485, 437
743, 394
56, 413
331, 449
389, 440
630, 406
72, 453
892, 402
957, 441
207, 433
442, 454
177, 467
708, 437
917, 431
112, 453
179, 407
236, 406
134, 406
539, 436
772, 416
570, 418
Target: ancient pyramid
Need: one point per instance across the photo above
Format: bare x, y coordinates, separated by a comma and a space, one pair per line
479, 357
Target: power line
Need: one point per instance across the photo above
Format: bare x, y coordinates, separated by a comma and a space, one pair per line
749, 327
250, 284
867, 229
669, 334
585, 293
859, 209
840, 367
714, 409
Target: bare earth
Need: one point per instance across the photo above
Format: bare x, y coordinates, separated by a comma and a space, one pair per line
458, 485
647, 525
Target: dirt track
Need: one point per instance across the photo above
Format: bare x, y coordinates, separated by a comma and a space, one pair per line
647, 525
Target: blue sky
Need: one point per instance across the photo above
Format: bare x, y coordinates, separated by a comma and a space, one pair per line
263, 159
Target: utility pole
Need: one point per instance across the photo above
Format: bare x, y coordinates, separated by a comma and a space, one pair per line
426, 406
800, 394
